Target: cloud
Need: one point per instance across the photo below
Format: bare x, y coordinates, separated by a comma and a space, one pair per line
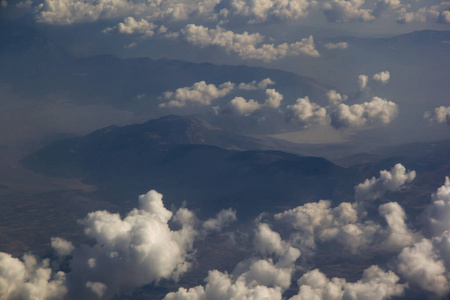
439, 115
362, 81
221, 286
389, 181
317, 221
141, 245
222, 219
398, 234
346, 224
262, 10
342, 11
426, 263
97, 288
29, 279
382, 77
241, 107
273, 99
256, 85
421, 265
335, 98
245, 45
377, 111
307, 113
200, 93
435, 13
268, 242
131, 26
61, 246
65, 12
333, 46
375, 284
438, 212
383, 5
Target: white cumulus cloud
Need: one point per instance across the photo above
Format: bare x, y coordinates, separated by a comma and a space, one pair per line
434, 13
382, 77
307, 113
29, 279
200, 93
131, 26
61, 246
375, 284
254, 85
241, 107
222, 219
262, 10
333, 46
141, 245
273, 99
440, 114
389, 181
335, 98
246, 45
376, 111
362, 81
341, 11
64, 12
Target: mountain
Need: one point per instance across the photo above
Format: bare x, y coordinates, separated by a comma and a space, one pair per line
111, 79
176, 156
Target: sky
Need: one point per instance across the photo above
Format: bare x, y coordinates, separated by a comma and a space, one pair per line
364, 74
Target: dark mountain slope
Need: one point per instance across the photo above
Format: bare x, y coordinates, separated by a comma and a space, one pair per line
172, 155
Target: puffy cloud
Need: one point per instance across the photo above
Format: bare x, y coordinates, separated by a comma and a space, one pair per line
200, 93
141, 245
65, 12
362, 81
97, 288
333, 46
377, 111
252, 278
29, 279
398, 234
262, 10
221, 286
268, 242
245, 44
241, 107
389, 181
61, 246
340, 11
382, 77
426, 263
222, 219
439, 115
344, 224
375, 284
132, 26
438, 212
421, 265
383, 5
335, 98
307, 113
273, 99
318, 221
435, 13
263, 84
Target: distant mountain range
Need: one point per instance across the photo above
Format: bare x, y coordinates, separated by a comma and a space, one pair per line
179, 157
49, 68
